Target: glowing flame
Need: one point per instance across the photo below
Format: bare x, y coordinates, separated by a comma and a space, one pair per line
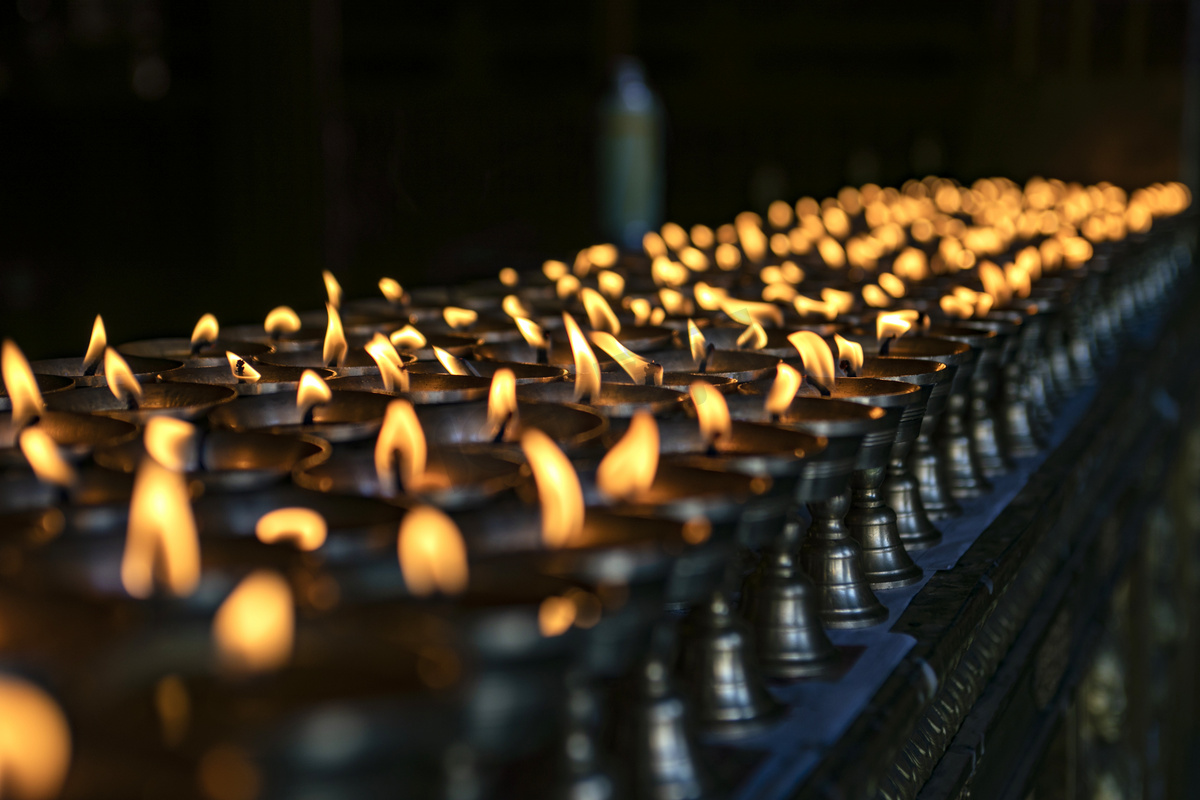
554, 269
783, 389
161, 545
459, 318
850, 352
20, 384
599, 313
587, 367
559, 492
453, 364
1019, 281
205, 332
702, 236
301, 527
806, 306
333, 352
502, 400
333, 289
753, 338
994, 282
254, 628
566, 286
891, 284
171, 442
555, 616
612, 284
42, 453
911, 265
603, 255
674, 235
709, 297
749, 311
640, 370
630, 466
674, 303
816, 356
513, 307
400, 448
665, 272
408, 338
35, 741
653, 245
693, 259
842, 301
831, 252
311, 391
240, 368
531, 332
121, 381
641, 309
696, 342
955, 306
509, 277
96, 345
281, 320
433, 556
391, 368
875, 297
391, 289
890, 326
712, 411
728, 257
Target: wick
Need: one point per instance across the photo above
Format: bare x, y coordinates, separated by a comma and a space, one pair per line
708, 351
541, 356
885, 345
846, 368
471, 368
90, 369
307, 419
131, 403
239, 368
820, 388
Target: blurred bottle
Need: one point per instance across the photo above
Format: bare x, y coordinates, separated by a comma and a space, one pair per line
632, 158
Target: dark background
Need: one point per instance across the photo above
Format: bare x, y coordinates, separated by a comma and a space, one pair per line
163, 159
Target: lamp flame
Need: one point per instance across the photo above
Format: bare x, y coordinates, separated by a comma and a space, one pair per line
20, 384
783, 390
43, 455
842, 301
630, 466
587, 367
994, 282
555, 616
532, 332
121, 381
875, 297
240, 368
391, 368
459, 318
172, 443
35, 741
408, 338
674, 303
333, 352
817, 358
599, 313
392, 290
891, 326
641, 309
612, 284
566, 286
640, 370
452, 363
554, 269
696, 342
255, 627
748, 311
806, 306
708, 297
333, 289
433, 556
206, 332
558, 489
281, 320
712, 411
851, 353
161, 545
891, 284
312, 391
753, 338
513, 307
400, 448
502, 401
96, 345
302, 527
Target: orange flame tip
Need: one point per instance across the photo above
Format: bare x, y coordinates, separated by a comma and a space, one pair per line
302, 527
629, 467
335, 348
433, 556
558, 489
96, 345
400, 448
121, 380
254, 628
817, 358
712, 411
161, 543
587, 367
20, 384
240, 368
43, 455
783, 390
